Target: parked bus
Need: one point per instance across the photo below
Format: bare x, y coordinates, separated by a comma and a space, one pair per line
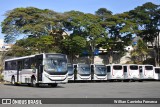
70, 72
131, 72
146, 72
98, 72
45, 68
82, 72
157, 73
115, 72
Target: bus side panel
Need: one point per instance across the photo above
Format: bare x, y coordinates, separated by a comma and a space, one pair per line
109, 71
25, 75
8, 75
125, 70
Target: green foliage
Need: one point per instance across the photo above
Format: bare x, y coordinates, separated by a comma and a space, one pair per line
1, 77
140, 51
73, 46
147, 22
31, 45
31, 21
149, 61
44, 30
18, 51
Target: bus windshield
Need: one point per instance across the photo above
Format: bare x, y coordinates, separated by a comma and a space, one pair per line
84, 69
70, 69
100, 69
149, 67
134, 67
55, 65
117, 67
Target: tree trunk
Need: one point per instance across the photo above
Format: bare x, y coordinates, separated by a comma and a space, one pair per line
155, 50
71, 58
92, 51
158, 50
110, 58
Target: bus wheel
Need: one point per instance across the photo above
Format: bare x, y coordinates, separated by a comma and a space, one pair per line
54, 85
140, 80
13, 81
33, 82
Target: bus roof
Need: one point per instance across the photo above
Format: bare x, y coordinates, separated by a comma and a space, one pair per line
129, 64
113, 64
146, 65
17, 58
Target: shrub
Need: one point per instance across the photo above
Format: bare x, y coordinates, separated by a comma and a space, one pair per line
149, 61
1, 77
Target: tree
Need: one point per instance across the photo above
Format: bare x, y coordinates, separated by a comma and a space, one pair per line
119, 30
148, 24
93, 31
140, 51
28, 46
86, 26
73, 46
74, 22
33, 22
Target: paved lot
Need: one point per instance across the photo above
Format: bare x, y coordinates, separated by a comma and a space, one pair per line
148, 89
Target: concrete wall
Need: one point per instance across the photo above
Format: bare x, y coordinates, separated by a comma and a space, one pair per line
102, 59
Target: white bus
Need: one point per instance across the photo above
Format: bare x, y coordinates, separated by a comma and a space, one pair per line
45, 68
146, 72
82, 72
115, 72
98, 72
131, 72
157, 73
70, 72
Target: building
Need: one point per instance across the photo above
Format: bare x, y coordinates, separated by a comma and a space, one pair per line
3, 46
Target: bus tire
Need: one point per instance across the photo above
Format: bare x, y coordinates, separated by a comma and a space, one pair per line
54, 85
140, 80
13, 80
33, 82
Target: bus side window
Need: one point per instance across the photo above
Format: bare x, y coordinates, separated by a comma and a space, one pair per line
26, 63
14, 65
140, 69
9, 67
19, 66
108, 69
125, 68
6, 66
157, 70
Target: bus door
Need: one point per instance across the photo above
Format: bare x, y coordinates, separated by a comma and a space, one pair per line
125, 71
19, 69
157, 72
141, 72
39, 66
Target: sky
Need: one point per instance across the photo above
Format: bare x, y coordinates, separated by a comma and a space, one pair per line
86, 6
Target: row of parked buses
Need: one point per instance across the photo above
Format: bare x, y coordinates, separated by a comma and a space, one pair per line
53, 69
112, 72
